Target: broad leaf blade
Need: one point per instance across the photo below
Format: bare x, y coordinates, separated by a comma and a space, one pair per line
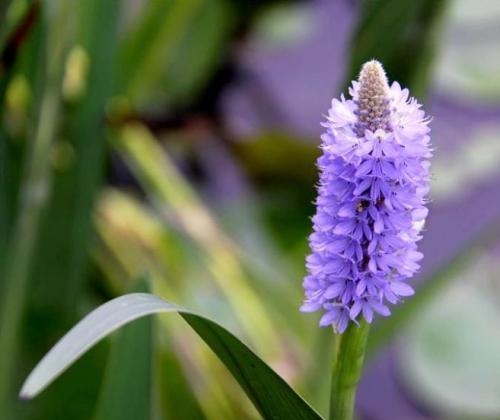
271, 395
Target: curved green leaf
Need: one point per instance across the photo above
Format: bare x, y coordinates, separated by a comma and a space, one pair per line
270, 394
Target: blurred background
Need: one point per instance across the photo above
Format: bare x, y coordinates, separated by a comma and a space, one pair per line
176, 140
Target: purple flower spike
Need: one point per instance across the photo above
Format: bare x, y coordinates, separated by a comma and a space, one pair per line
374, 178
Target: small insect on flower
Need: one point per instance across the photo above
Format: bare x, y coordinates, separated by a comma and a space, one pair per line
374, 179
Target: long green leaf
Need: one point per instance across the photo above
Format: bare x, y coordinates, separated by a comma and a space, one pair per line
197, 54
270, 394
66, 226
149, 46
172, 50
34, 194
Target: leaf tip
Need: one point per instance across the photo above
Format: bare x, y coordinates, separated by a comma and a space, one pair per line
27, 392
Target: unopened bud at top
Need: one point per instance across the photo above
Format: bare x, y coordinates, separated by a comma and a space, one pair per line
373, 98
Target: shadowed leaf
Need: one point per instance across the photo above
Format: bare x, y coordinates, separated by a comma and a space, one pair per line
270, 394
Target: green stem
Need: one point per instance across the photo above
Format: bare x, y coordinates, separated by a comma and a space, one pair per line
349, 354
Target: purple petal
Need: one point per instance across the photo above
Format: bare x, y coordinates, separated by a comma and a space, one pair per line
310, 307
380, 308
401, 289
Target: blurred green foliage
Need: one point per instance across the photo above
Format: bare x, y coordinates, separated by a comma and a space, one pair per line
401, 34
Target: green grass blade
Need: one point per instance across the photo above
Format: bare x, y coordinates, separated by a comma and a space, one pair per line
271, 395
198, 53
63, 244
172, 50
149, 46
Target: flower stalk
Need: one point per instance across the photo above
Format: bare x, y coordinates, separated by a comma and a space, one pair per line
348, 357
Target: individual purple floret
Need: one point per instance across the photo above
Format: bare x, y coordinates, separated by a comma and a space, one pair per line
374, 178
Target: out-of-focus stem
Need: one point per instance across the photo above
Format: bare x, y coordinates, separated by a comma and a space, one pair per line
349, 354
34, 194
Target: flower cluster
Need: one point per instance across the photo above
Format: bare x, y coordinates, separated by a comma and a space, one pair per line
374, 177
